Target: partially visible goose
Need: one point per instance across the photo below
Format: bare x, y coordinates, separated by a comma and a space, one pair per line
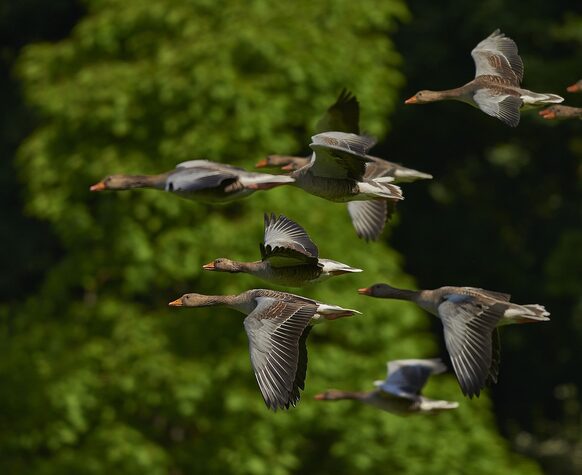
336, 172
376, 167
201, 180
576, 87
496, 88
289, 257
400, 392
561, 112
277, 326
470, 317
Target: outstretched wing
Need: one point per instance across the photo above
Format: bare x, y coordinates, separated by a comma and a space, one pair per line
342, 116
287, 243
497, 56
275, 329
503, 106
468, 325
368, 217
406, 378
340, 155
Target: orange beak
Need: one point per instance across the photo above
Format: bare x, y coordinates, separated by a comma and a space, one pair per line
319, 397
262, 163
574, 88
98, 186
209, 266
411, 100
364, 291
176, 303
547, 114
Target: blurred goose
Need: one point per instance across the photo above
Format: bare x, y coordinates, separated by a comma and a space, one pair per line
277, 326
576, 87
400, 392
470, 317
336, 172
201, 180
496, 88
289, 257
561, 112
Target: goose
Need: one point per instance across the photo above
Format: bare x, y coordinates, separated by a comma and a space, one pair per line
561, 112
400, 392
277, 326
470, 317
336, 172
201, 180
376, 167
368, 217
576, 87
496, 88
289, 257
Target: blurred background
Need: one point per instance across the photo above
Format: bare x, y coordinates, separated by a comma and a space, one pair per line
97, 374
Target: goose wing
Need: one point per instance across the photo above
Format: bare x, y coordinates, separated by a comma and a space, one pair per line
275, 329
468, 327
340, 155
189, 179
497, 56
342, 116
495, 103
369, 217
286, 243
406, 378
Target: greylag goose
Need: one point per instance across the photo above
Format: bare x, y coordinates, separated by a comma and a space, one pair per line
561, 112
368, 217
376, 167
336, 172
576, 87
400, 392
277, 325
201, 180
289, 257
470, 317
496, 88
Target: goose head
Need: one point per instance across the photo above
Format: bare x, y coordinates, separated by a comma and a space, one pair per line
193, 300
223, 265
380, 291
116, 182
423, 97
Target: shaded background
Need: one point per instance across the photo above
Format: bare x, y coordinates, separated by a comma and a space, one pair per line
99, 376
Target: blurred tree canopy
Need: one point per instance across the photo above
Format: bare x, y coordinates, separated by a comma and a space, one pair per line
98, 375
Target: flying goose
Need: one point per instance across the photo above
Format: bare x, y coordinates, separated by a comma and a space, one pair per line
561, 112
496, 88
368, 217
470, 317
277, 325
336, 172
200, 180
400, 392
289, 257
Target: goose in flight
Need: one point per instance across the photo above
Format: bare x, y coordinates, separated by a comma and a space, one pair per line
496, 89
288, 257
470, 317
277, 325
400, 392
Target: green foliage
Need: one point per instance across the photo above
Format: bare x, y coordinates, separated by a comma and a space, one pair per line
102, 376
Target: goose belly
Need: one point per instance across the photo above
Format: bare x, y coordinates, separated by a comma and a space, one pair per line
332, 189
295, 276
